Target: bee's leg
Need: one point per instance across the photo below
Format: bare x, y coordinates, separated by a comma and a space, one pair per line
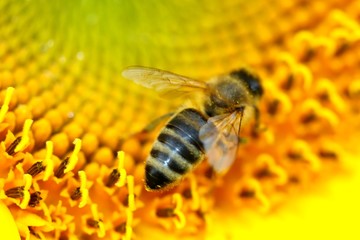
257, 127
257, 118
155, 123
242, 140
146, 133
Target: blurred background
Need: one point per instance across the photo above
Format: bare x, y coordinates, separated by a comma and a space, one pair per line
91, 42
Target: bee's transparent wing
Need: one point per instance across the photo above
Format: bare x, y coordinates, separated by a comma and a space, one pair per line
156, 122
166, 83
220, 137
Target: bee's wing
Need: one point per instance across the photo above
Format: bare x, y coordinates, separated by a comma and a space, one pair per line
166, 83
220, 137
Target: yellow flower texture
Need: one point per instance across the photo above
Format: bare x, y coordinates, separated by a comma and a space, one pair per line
72, 152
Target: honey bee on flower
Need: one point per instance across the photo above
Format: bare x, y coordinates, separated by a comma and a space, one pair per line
211, 130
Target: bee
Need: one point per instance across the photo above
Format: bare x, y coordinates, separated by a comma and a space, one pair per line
210, 130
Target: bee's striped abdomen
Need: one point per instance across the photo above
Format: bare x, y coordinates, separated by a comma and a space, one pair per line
176, 151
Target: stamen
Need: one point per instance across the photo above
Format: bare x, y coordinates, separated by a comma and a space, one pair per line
165, 212
125, 202
326, 88
294, 156
35, 169
92, 223
310, 104
326, 44
35, 199
328, 154
304, 149
49, 164
209, 173
273, 107
263, 173
345, 20
308, 118
59, 173
15, 192
35, 234
330, 116
121, 169
194, 193
96, 222
27, 184
285, 102
303, 36
331, 151
310, 109
83, 189
76, 194
128, 228
131, 196
5, 107
298, 68
180, 220
282, 100
294, 179
288, 84
187, 193
74, 156
246, 193
287, 59
11, 149
121, 228
306, 75
258, 194
272, 167
25, 139
353, 89
113, 178
304, 40
21, 192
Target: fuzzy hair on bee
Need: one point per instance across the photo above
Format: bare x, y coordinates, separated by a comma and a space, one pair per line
209, 131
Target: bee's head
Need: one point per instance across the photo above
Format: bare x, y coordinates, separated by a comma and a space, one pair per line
233, 91
251, 81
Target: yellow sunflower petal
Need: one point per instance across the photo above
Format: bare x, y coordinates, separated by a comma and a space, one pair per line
8, 225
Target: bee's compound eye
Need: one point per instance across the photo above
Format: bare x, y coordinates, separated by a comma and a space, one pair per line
252, 81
